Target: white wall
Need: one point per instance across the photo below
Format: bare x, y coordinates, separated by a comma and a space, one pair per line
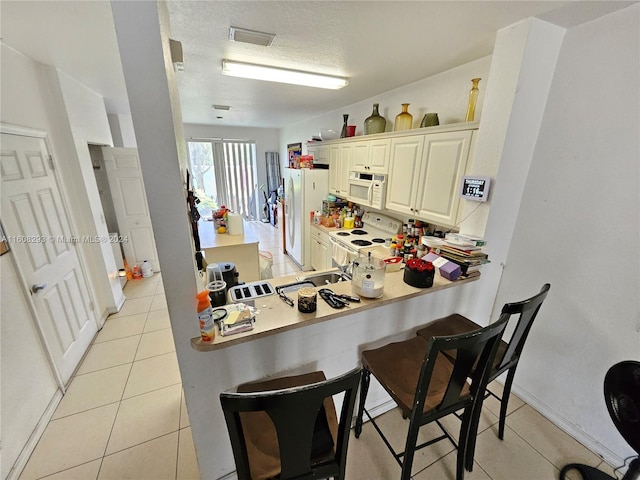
28, 383
88, 123
446, 94
578, 228
267, 140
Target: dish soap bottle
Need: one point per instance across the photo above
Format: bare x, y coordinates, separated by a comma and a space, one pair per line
205, 317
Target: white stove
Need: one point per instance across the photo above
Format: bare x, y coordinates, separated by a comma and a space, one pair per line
375, 229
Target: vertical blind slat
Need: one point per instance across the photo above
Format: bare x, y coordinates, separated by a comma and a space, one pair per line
234, 165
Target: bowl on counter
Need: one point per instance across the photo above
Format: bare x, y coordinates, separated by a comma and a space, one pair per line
326, 134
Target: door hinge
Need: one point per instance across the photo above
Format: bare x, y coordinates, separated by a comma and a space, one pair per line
51, 164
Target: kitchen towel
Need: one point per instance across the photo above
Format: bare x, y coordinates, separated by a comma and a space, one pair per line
234, 224
340, 255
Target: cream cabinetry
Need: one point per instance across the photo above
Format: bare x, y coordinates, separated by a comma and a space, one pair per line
424, 175
320, 249
320, 153
339, 163
371, 156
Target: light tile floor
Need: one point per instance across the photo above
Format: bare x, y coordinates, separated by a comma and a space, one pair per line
124, 415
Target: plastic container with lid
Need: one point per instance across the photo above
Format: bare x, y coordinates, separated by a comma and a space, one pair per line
349, 221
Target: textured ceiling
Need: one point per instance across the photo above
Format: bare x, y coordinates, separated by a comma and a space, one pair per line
378, 45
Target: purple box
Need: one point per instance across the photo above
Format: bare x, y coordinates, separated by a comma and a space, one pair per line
446, 269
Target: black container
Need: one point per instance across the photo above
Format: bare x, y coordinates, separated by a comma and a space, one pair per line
217, 293
229, 274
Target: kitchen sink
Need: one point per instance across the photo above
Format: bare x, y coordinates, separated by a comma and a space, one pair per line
323, 279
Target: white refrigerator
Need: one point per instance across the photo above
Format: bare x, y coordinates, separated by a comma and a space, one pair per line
304, 191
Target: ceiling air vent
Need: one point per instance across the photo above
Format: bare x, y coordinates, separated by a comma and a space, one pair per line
221, 107
250, 36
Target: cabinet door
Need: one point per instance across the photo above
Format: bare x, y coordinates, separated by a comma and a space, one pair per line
320, 154
444, 161
360, 157
334, 169
317, 257
379, 156
406, 153
346, 152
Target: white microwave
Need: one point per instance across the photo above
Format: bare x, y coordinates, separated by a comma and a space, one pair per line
367, 189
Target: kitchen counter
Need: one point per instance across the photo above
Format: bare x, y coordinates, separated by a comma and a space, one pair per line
287, 342
241, 250
276, 316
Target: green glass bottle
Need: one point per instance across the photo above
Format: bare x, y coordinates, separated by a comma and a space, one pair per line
375, 123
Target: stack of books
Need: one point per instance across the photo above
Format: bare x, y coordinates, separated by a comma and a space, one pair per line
466, 252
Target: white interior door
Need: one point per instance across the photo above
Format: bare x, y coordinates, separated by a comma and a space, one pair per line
130, 204
38, 230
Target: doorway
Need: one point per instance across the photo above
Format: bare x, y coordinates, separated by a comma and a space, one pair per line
37, 225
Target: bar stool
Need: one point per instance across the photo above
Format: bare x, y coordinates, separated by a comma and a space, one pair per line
508, 354
287, 428
427, 385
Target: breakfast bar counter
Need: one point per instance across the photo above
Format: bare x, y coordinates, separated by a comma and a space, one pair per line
287, 342
275, 316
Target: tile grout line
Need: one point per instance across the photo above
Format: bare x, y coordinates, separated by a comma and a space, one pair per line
118, 409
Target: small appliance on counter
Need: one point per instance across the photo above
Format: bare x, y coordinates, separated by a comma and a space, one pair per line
221, 273
368, 276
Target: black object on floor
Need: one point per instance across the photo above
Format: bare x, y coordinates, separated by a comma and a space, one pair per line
622, 394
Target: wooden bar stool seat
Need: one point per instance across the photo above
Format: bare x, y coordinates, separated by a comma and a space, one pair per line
397, 367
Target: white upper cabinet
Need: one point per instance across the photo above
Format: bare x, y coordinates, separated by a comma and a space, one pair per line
360, 157
425, 174
406, 154
371, 156
320, 153
339, 163
424, 168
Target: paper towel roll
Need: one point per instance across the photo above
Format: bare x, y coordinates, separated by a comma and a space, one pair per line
234, 224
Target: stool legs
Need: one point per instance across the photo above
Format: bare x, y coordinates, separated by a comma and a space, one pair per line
364, 388
506, 392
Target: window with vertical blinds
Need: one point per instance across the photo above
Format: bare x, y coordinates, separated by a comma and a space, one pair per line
234, 174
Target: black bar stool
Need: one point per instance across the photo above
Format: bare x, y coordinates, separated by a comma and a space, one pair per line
287, 428
508, 352
427, 385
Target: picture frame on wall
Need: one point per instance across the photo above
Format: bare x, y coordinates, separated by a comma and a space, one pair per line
294, 151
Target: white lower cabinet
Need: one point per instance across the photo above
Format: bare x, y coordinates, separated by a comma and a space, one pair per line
321, 252
425, 173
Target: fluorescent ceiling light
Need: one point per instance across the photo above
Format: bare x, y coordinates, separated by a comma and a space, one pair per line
282, 75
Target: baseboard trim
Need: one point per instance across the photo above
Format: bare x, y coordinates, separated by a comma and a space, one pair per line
554, 417
28, 448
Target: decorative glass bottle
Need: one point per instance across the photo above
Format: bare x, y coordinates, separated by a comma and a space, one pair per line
473, 98
343, 133
404, 120
429, 120
376, 123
